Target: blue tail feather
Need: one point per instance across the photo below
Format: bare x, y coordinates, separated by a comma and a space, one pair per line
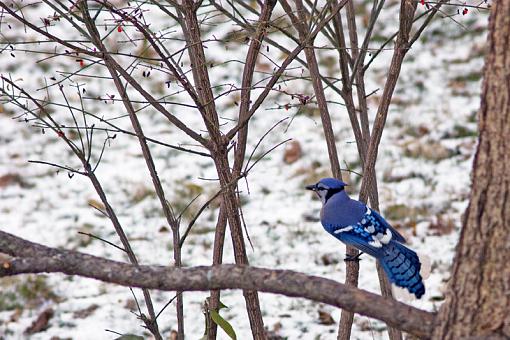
402, 266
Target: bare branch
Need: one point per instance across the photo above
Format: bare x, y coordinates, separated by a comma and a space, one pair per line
249, 69
37, 258
427, 21
165, 58
407, 9
283, 67
173, 119
219, 241
299, 23
171, 220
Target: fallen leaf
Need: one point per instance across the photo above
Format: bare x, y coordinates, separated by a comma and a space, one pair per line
85, 312
328, 259
41, 323
131, 304
325, 318
10, 179
442, 226
16, 315
292, 152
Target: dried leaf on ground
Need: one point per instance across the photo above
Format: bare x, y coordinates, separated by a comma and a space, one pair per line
41, 323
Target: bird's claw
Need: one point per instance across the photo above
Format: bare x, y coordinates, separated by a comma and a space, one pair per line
353, 258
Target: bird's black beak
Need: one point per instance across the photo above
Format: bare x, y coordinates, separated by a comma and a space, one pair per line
312, 187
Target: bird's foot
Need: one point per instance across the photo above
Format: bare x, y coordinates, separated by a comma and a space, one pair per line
353, 258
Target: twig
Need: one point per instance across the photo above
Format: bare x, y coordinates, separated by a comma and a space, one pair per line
261, 139
197, 215
248, 169
59, 167
102, 239
167, 304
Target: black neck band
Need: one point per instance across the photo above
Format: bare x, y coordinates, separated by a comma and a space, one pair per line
331, 192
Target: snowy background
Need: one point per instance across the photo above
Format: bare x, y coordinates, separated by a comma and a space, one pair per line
423, 170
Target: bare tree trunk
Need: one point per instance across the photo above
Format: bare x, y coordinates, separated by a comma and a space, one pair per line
478, 299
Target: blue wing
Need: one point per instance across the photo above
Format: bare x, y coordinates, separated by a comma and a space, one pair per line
357, 237
360, 243
370, 234
396, 235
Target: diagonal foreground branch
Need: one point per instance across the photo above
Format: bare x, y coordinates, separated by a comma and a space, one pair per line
36, 258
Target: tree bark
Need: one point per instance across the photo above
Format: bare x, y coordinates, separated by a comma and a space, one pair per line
478, 298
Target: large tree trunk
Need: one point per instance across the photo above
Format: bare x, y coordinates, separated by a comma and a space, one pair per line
478, 299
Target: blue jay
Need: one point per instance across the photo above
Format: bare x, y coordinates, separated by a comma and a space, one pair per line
353, 223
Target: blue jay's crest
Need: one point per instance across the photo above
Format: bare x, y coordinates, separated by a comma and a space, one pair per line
332, 183
327, 187
353, 223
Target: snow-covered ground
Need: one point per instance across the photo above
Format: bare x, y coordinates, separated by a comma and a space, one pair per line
423, 170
